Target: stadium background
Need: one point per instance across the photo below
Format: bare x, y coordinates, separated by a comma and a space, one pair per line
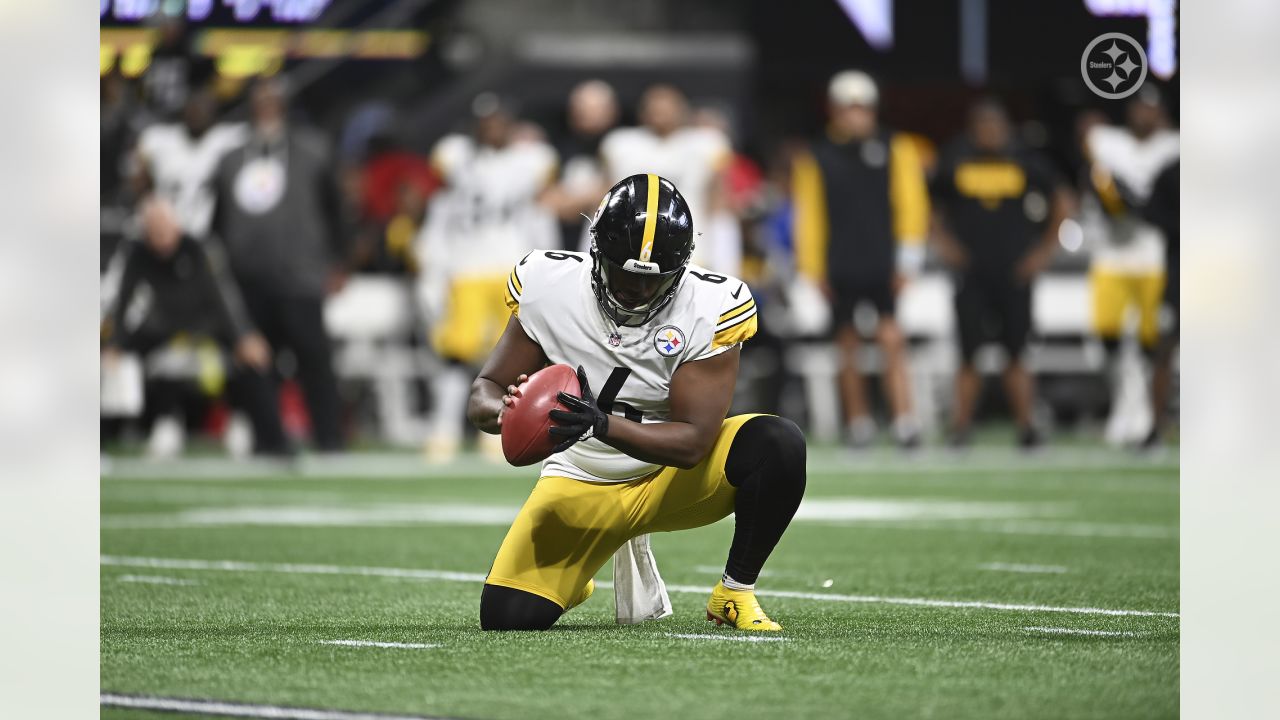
408, 72
982, 584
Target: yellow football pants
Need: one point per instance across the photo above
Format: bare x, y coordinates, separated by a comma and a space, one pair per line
568, 528
1113, 294
474, 318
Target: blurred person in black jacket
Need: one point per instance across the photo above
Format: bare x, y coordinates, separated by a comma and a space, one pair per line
860, 220
279, 213
998, 207
176, 290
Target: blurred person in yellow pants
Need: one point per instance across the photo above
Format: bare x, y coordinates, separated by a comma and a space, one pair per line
1127, 272
489, 214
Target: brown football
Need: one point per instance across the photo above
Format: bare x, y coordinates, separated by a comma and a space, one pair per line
526, 423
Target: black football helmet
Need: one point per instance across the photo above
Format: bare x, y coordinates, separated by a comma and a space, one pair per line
641, 242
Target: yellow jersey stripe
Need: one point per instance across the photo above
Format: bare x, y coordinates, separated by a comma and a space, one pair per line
749, 304
740, 332
650, 219
515, 281
512, 302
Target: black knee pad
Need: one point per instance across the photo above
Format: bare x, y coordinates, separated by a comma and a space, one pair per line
767, 440
504, 608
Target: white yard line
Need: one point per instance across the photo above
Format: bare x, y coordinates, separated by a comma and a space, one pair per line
410, 466
1021, 568
244, 710
1076, 631
1053, 528
414, 574
290, 568
155, 580
377, 644
734, 638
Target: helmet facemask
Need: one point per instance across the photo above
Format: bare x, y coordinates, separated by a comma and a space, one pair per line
651, 300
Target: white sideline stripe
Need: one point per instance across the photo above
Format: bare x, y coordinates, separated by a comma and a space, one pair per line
734, 638
290, 568
245, 710
855, 509
377, 644
155, 580
1021, 568
238, 566
1076, 631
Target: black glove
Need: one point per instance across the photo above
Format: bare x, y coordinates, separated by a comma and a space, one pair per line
582, 420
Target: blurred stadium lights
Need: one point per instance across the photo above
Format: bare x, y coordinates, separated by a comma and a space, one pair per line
281, 11
873, 18
973, 41
1161, 28
635, 50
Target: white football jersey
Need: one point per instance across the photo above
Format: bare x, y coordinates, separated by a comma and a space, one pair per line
628, 368
487, 215
689, 157
181, 167
1130, 244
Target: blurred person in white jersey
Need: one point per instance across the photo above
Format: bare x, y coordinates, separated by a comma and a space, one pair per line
488, 215
694, 158
1127, 272
177, 161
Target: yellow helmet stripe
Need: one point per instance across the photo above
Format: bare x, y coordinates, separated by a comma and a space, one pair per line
650, 219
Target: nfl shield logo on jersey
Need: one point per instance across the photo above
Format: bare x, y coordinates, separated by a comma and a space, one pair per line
669, 341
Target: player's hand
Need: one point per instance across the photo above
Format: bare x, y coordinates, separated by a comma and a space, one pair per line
1030, 266
584, 419
252, 350
898, 282
513, 393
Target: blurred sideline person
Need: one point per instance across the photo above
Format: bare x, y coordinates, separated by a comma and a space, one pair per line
1163, 211
861, 211
592, 112
997, 212
694, 158
177, 161
175, 292
1127, 270
279, 213
486, 217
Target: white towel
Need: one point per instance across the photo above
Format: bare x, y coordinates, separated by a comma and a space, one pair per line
638, 591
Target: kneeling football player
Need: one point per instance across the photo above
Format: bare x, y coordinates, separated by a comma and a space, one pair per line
646, 447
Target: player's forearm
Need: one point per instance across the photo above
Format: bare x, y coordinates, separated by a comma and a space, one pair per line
666, 443
485, 405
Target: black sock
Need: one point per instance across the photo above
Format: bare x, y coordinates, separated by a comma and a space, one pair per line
767, 464
504, 608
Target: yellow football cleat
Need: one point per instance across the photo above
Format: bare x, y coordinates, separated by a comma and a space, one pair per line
739, 609
587, 589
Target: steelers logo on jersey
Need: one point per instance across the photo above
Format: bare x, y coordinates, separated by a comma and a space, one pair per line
669, 341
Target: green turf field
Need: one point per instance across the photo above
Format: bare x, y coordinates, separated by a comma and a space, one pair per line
984, 586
